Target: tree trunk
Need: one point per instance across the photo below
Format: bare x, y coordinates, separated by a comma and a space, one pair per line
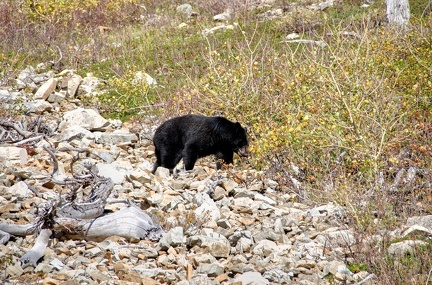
398, 13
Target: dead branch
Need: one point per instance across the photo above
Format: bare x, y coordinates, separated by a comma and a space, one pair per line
23, 133
38, 250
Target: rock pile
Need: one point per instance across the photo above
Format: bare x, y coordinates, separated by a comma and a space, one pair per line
221, 227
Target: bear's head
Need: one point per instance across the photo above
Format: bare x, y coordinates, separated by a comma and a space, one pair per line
240, 141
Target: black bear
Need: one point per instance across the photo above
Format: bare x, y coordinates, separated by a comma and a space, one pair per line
194, 136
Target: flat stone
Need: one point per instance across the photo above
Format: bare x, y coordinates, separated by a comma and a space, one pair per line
212, 270
46, 89
73, 84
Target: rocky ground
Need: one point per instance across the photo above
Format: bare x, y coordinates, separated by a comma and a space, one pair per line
233, 226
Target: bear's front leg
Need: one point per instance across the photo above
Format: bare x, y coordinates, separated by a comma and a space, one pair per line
226, 156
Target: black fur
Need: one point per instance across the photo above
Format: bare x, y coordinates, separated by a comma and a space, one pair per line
193, 136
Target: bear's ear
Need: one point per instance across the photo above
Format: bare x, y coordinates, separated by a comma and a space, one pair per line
239, 128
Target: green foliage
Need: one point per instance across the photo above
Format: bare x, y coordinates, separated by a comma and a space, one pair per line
356, 267
128, 95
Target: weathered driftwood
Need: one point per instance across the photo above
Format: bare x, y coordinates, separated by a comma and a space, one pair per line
4, 237
18, 230
93, 207
38, 250
130, 222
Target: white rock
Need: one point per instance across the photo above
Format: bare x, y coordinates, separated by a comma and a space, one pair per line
406, 246
13, 155
46, 89
223, 17
21, 190
208, 210
73, 84
185, 9
73, 132
251, 278
86, 118
117, 173
265, 248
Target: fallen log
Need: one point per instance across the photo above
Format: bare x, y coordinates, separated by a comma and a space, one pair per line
131, 223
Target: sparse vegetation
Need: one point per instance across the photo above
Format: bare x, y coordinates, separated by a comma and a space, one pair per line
355, 116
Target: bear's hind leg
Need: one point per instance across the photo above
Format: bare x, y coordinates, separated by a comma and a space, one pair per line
170, 160
158, 161
189, 158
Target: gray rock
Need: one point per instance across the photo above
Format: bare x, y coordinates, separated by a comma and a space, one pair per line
38, 106
343, 238
207, 210
73, 84
218, 246
224, 223
89, 85
73, 132
260, 197
56, 97
424, 221
25, 78
278, 276
203, 258
211, 270
223, 17
335, 267
116, 137
20, 190
43, 268
251, 278
327, 210
57, 263
9, 96
244, 245
417, 231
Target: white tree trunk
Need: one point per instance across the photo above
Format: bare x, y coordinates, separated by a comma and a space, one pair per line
398, 12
